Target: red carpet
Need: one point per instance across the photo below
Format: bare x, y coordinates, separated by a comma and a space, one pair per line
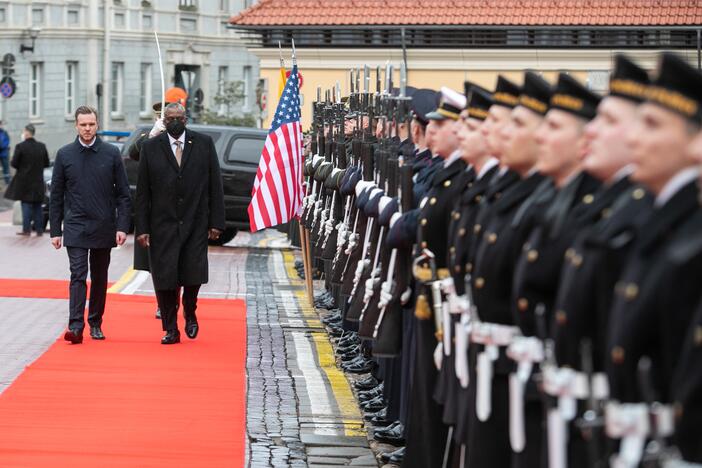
129, 401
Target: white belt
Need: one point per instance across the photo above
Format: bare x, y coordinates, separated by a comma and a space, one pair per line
494, 334
568, 383
631, 422
525, 350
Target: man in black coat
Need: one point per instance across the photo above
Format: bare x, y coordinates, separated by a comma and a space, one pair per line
179, 205
90, 196
30, 159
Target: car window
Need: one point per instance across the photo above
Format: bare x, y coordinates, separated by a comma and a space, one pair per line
245, 150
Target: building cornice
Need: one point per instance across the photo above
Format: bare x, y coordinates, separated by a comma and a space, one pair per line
466, 59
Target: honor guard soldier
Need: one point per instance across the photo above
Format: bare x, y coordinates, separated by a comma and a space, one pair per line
594, 262
504, 232
656, 294
426, 433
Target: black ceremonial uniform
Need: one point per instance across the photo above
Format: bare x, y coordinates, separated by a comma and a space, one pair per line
426, 433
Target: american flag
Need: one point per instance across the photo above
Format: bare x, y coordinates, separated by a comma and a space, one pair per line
277, 192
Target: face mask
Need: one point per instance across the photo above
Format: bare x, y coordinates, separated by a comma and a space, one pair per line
175, 128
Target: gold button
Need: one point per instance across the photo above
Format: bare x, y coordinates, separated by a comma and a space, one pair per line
522, 304
477, 228
470, 184
569, 253
631, 290
532, 255
424, 245
447, 183
698, 335
618, 355
432, 201
638, 194
456, 215
589, 198
479, 282
457, 268
462, 232
423, 221
576, 261
492, 238
469, 267
606, 213
561, 317
452, 249
478, 198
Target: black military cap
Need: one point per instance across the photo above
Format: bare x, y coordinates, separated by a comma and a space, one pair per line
628, 80
479, 102
571, 96
678, 87
423, 101
535, 94
450, 107
506, 93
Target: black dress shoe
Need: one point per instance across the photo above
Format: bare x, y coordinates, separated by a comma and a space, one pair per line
376, 404
377, 415
389, 427
372, 393
393, 435
367, 383
74, 336
398, 456
171, 337
191, 329
96, 333
385, 457
158, 314
360, 367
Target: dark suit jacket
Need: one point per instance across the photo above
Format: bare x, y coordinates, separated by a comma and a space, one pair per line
30, 159
89, 195
177, 205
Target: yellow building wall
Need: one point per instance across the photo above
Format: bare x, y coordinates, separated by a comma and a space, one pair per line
433, 79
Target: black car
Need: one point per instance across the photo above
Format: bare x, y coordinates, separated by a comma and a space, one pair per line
239, 150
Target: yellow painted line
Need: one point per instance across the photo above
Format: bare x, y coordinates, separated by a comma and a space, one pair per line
289, 262
122, 281
341, 389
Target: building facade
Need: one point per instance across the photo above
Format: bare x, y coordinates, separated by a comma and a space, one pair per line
103, 53
445, 42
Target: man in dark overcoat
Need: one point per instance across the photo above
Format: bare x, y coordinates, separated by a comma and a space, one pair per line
179, 205
29, 159
90, 206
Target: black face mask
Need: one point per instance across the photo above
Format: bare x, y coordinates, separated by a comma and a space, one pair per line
175, 128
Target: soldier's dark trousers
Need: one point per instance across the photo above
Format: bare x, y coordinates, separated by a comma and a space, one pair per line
80, 260
168, 303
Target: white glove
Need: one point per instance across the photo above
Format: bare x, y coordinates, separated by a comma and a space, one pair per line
447, 286
343, 234
353, 240
157, 129
368, 293
329, 226
457, 304
385, 294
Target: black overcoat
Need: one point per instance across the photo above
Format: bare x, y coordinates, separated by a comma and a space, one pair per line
89, 195
177, 206
30, 159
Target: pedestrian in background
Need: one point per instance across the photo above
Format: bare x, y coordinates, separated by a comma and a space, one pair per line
90, 196
5, 153
29, 160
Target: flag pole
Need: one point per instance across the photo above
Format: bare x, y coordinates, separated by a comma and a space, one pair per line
163, 80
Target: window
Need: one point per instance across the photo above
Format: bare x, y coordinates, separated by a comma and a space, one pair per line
223, 5
222, 77
71, 81
3, 15
35, 90
73, 17
146, 22
248, 3
186, 3
247, 87
37, 16
117, 88
188, 25
120, 20
245, 150
145, 89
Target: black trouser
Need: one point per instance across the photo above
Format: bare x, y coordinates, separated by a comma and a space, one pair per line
168, 303
80, 259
